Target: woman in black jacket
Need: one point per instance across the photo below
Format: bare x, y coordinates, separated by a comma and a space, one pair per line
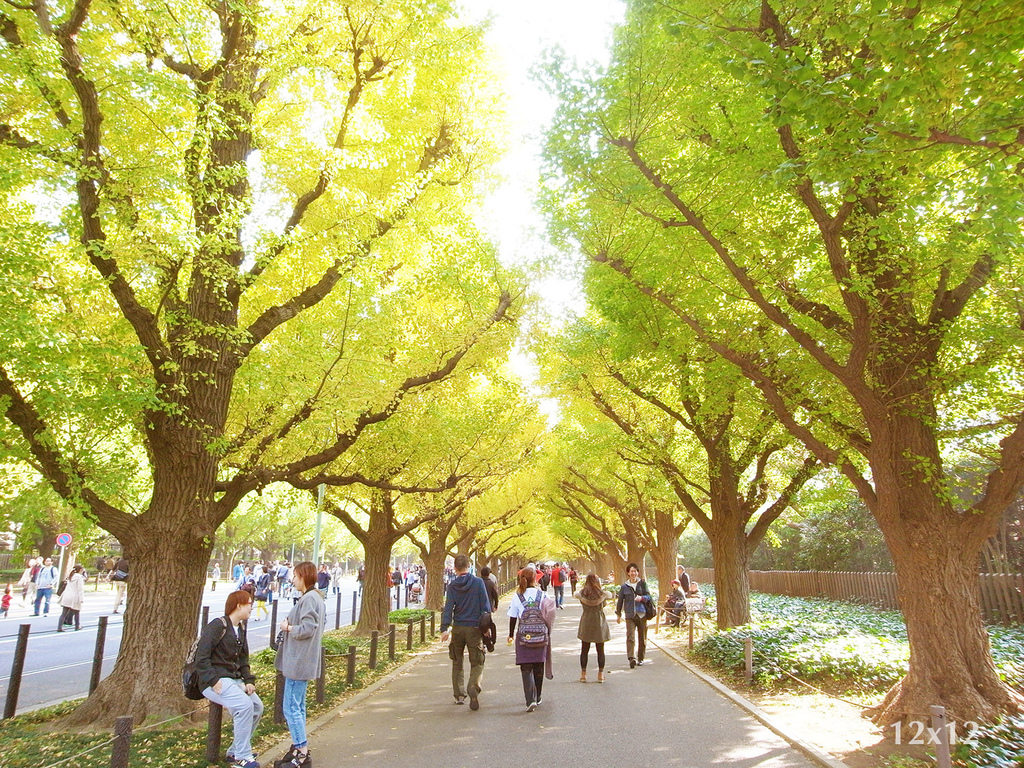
222, 664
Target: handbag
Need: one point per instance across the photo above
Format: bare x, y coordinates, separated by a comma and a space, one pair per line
62, 587
119, 576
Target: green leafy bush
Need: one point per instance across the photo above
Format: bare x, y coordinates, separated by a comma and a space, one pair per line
817, 639
997, 746
403, 615
858, 647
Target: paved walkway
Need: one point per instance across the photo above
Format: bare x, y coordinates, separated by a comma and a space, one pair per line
657, 714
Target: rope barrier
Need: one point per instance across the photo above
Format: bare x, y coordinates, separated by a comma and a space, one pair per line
106, 743
136, 730
168, 720
392, 631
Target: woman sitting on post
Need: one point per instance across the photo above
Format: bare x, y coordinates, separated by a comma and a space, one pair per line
222, 663
675, 604
298, 659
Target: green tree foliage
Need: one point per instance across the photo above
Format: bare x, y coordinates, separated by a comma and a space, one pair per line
235, 237
828, 196
425, 473
691, 417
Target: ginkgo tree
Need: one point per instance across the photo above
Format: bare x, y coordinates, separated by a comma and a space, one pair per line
420, 473
235, 237
828, 196
690, 418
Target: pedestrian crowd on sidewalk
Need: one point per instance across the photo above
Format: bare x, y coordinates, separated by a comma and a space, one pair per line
467, 623
41, 584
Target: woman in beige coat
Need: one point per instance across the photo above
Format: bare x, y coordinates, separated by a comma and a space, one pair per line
72, 597
593, 625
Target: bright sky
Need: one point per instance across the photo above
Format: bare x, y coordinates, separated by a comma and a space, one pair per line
521, 30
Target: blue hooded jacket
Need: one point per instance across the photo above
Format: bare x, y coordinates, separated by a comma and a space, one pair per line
466, 598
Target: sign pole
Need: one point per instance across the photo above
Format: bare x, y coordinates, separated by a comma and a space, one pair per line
319, 523
63, 541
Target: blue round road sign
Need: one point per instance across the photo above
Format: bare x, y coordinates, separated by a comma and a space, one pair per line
63, 539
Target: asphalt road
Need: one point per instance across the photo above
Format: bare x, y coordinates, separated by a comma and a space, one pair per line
58, 665
657, 714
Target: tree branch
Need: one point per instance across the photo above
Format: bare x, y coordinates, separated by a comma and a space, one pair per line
63, 475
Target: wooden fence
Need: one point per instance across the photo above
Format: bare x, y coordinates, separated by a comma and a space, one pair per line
1002, 595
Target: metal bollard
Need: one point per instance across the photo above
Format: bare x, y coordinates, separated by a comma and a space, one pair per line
433, 624
122, 742
391, 642
14, 684
423, 629
941, 730
321, 680
337, 614
273, 624
214, 722
350, 676
408, 635
691, 631
355, 596
279, 699
748, 657
97, 656
374, 638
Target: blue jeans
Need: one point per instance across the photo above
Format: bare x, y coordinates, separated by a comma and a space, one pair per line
294, 706
559, 595
246, 710
42, 592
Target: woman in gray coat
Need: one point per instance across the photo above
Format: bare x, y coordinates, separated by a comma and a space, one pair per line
593, 624
298, 659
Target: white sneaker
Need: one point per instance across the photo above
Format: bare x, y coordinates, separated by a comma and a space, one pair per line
531, 706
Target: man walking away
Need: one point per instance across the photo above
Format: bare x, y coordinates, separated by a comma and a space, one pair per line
465, 604
558, 582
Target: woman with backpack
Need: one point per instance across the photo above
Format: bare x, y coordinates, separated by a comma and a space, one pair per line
639, 606
593, 625
298, 659
535, 614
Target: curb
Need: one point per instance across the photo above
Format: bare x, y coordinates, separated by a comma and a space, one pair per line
809, 750
279, 748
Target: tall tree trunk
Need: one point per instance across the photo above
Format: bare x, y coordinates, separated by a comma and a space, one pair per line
664, 557
433, 561
636, 554
617, 563
603, 565
950, 658
935, 551
664, 553
376, 585
732, 578
168, 555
